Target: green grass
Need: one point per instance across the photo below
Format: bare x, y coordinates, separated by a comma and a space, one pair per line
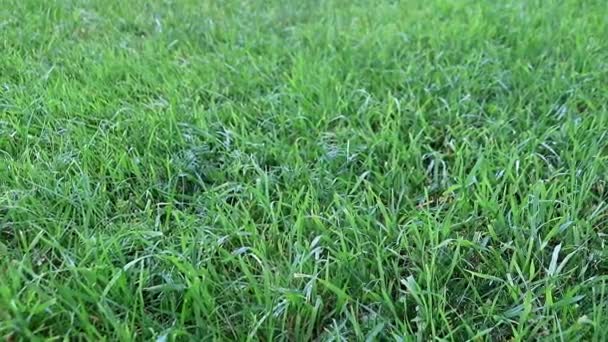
304, 170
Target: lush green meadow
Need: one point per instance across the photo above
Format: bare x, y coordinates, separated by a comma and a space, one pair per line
304, 170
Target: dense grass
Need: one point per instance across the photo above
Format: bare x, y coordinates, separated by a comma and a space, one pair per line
297, 170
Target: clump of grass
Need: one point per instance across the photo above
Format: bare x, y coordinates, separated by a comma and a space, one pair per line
308, 170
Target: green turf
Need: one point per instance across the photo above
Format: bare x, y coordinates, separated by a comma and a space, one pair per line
304, 170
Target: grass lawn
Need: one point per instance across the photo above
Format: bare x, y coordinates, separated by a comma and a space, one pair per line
304, 170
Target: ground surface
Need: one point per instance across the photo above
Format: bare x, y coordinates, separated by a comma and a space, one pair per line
303, 169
